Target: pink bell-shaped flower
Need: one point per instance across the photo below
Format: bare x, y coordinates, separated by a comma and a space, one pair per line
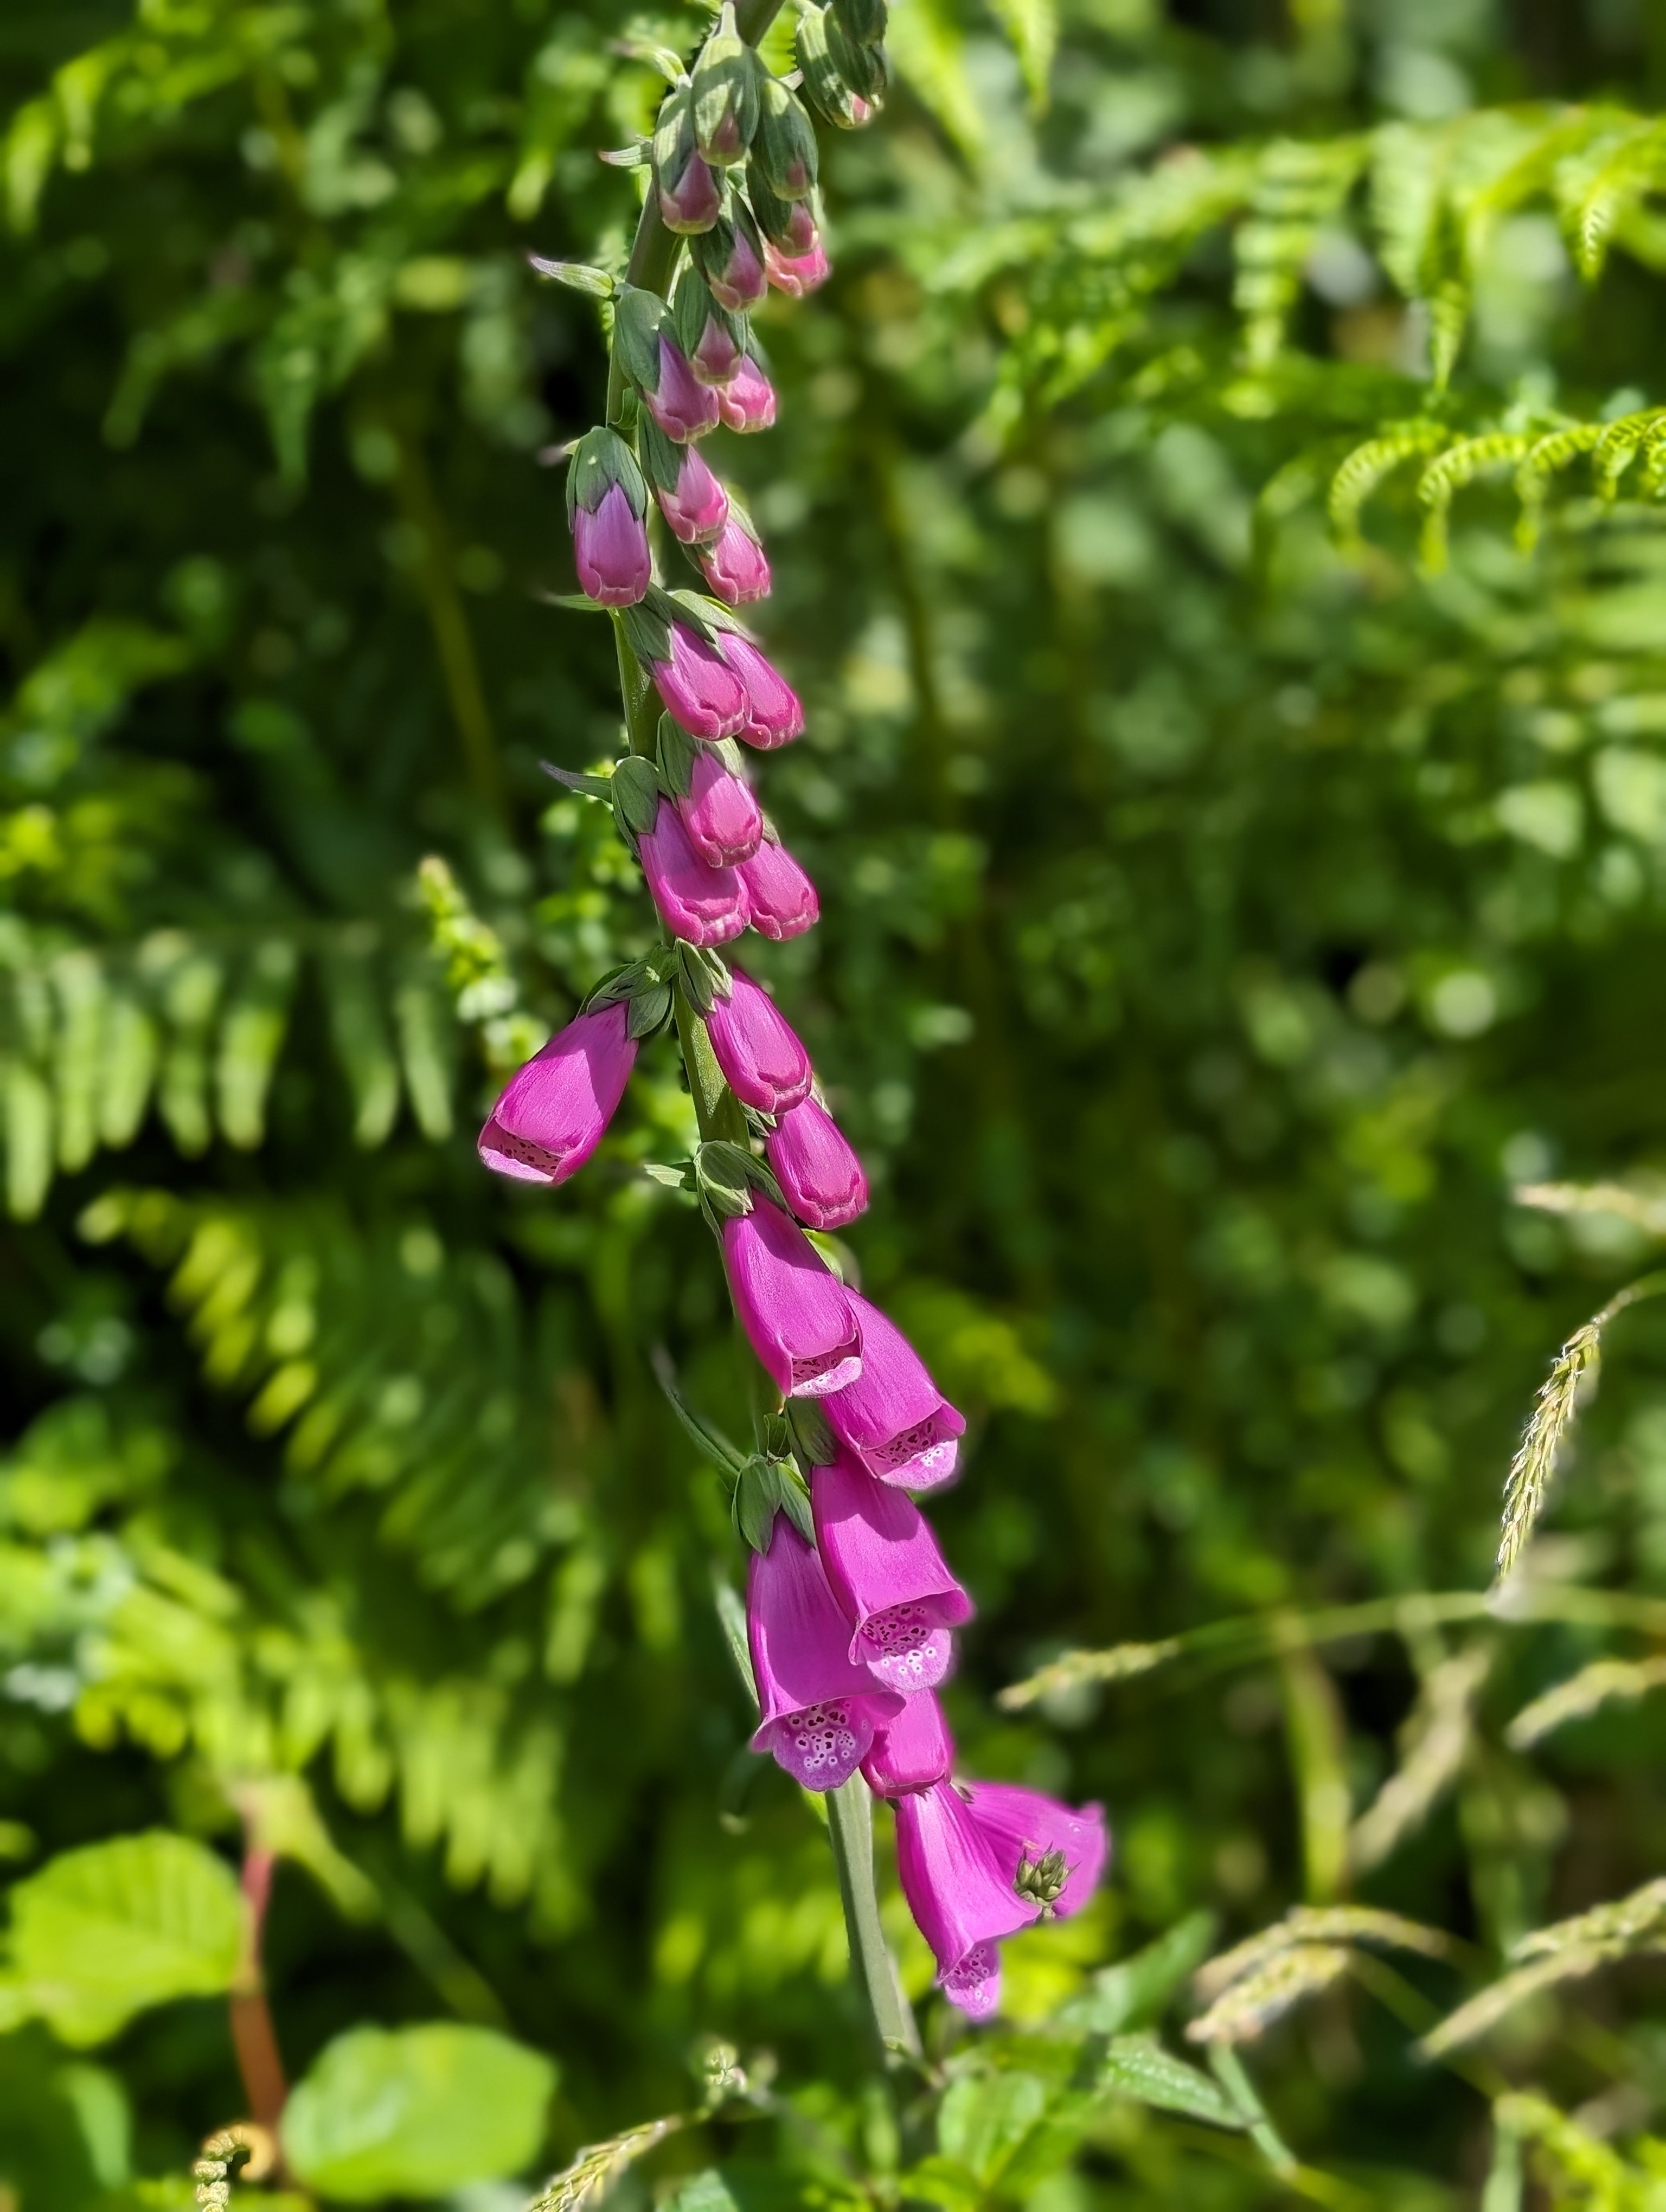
696, 507
721, 812
683, 407
734, 565
1052, 1852
716, 356
889, 1576
774, 713
747, 401
698, 902
820, 1177
781, 899
962, 1899
911, 1751
555, 1112
795, 1311
609, 548
817, 1710
698, 687
894, 1419
756, 1046
795, 274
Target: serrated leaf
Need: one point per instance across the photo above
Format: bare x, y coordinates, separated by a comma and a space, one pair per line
1138, 2066
415, 2111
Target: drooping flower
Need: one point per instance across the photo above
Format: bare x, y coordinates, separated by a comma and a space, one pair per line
889, 1576
698, 902
679, 402
894, 1418
820, 1177
911, 1751
555, 1112
785, 155
795, 274
747, 401
694, 503
734, 564
817, 1711
763, 1062
962, 1899
774, 714
609, 548
721, 812
1051, 1853
724, 91
690, 198
730, 256
795, 1311
716, 358
781, 899
645, 346
699, 688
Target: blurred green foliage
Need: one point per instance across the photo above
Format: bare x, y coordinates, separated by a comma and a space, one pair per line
1228, 907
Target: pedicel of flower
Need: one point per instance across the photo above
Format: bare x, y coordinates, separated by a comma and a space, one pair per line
785, 153
689, 194
895, 1419
694, 503
724, 90
961, 1899
734, 564
781, 899
552, 1114
886, 1569
763, 1060
730, 256
820, 1177
911, 1751
817, 1712
796, 1313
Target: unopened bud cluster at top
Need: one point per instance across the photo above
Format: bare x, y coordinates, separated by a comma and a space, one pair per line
851, 1606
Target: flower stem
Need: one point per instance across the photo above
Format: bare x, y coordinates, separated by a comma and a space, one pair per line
850, 1831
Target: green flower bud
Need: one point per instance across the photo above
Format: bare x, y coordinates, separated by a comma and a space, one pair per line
1042, 1881
635, 796
826, 89
724, 92
786, 148
862, 20
601, 459
862, 67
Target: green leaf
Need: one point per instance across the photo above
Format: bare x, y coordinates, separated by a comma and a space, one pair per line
1033, 27
1138, 2066
943, 2181
415, 2111
1134, 1992
984, 2117
102, 1933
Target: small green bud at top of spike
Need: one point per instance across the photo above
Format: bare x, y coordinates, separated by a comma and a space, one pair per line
723, 93
786, 147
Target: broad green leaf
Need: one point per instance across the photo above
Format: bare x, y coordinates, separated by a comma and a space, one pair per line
985, 2116
1134, 1992
1138, 2066
943, 2181
929, 49
1033, 27
415, 2111
102, 1933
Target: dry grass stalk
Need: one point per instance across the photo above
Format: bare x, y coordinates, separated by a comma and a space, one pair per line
1435, 1743
1072, 1670
1564, 1951
1604, 1682
1322, 1925
1255, 2001
1647, 1211
597, 2167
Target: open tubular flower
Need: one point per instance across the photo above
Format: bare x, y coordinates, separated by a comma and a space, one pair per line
1050, 1852
818, 1710
962, 1899
889, 1576
555, 1112
912, 1750
796, 1313
698, 902
763, 1062
820, 1177
781, 899
894, 1419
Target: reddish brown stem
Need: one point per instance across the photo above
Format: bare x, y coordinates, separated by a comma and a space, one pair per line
253, 2034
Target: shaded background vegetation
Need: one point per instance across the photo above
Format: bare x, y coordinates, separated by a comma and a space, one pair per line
1220, 925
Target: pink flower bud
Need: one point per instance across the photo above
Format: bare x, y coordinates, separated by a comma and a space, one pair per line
818, 1710
884, 1569
555, 1112
794, 1309
610, 549
701, 904
682, 406
721, 813
734, 565
1027, 1830
692, 201
894, 1418
717, 357
696, 506
730, 262
774, 712
781, 899
962, 1899
799, 237
763, 1062
747, 401
699, 688
911, 1751
820, 1177
795, 274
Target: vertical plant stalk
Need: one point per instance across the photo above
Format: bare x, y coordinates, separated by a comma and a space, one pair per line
850, 1831
253, 2037
454, 643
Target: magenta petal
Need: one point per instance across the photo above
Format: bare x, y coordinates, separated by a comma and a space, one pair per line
795, 1311
763, 1062
912, 1750
700, 903
820, 1177
682, 406
781, 899
817, 1710
1020, 1824
699, 688
894, 1418
960, 1897
735, 566
774, 714
721, 813
555, 1112
795, 274
699, 506
694, 203
742, 283
716, 358
610, 549
883, 1567
747, 401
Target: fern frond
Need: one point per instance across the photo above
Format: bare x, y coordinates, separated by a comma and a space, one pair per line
1370, 466
1300, 186
1449, 471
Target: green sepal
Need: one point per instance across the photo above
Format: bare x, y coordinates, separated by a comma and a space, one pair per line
639, 319
577, 276
601, 459
813, 1433
723, 1173
575, 602
723, 93
757, 1495
705, 979
662, 459
826, 89
591, 786
861, 65
650, 1010
774, 1437
636, 795
712, 1442
794, 1500
702, 616
666, 59
674, 1178
711, 248
774, 214
672, 143
785, 150
636, 155
862, 20
676, 754
647, 626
